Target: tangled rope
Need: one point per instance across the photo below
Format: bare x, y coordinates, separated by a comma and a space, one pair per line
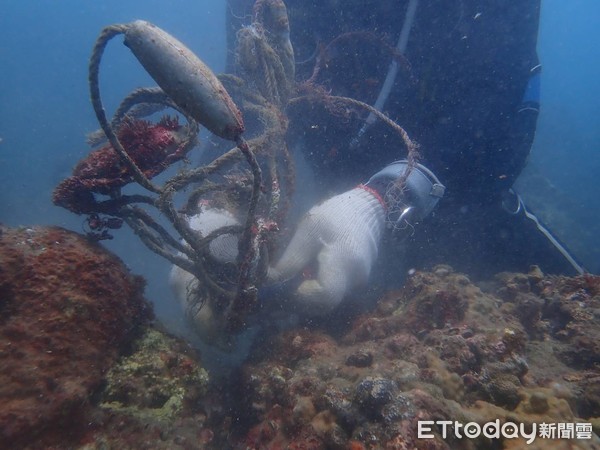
265, 90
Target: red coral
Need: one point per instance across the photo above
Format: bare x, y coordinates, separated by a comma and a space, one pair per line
153, 147
67, 308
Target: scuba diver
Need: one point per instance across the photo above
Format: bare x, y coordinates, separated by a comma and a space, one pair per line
463, 79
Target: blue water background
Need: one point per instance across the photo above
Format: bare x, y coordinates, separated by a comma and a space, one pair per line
566, 150
45, 110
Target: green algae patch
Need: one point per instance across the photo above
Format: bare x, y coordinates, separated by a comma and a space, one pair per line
159, 381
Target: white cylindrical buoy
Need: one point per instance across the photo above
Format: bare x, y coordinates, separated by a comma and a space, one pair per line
185, 78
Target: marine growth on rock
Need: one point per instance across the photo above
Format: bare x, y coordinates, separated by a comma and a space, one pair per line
67, 308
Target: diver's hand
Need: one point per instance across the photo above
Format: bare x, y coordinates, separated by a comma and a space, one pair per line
197, 307
340, 235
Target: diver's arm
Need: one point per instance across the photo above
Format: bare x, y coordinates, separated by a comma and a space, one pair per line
340, 237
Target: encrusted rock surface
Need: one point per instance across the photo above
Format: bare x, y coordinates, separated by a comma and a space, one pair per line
158, 381
523, 348
82, 367
67, 307
154, 398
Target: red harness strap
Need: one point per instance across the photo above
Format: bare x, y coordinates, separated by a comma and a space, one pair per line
375, 194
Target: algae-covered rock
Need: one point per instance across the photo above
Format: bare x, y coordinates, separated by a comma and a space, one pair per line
159, 381
155, 397
67, 309
440, 349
